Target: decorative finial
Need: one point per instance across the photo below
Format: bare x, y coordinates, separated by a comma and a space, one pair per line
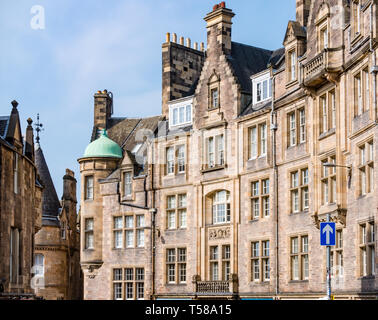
38, 128
30, 121
14, 103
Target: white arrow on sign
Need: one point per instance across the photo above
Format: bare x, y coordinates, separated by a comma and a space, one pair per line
328, 230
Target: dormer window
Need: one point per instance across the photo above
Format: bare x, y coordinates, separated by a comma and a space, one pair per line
180, 114
262, 88
128, 184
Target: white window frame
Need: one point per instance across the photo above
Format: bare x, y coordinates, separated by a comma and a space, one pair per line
258, 88
187, 115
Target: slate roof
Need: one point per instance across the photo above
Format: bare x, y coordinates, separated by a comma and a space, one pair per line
276, 58
50, 202
246, 61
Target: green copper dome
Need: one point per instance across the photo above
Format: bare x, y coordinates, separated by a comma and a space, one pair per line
103, 147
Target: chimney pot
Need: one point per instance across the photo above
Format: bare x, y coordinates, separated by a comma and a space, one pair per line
188, 43
168, 37
216, 7
202, 47
223, 4
175, 38
182, 41
195, 46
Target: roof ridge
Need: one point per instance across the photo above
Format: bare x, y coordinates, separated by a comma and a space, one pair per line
251, 46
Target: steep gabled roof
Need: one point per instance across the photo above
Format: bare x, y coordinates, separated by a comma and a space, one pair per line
50, 202
246, 61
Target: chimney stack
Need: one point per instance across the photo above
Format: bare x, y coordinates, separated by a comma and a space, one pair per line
29, 140
219, 23
303, 11
103, 109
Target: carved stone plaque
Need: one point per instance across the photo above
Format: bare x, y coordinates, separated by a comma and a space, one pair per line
219, 233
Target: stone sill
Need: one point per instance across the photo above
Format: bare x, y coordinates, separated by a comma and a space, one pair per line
298, 281
299, 213
213, 169
327, 134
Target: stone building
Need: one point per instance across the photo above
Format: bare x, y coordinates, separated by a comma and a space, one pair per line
57, 244
222, 195
20, 207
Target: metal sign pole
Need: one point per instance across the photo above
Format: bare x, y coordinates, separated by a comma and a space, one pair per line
328, 267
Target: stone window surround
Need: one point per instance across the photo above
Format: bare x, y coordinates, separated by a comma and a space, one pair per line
330, 178
213, 84
177, 210
293, 49
299, 188
260, 258
216, 135
323, 23
124, 229
361, 74
260, 197
300, 254
175, 145
86, 177
298, 138
337, 252
123, 196
330, 98
258, 125
365, 167
366, 244
177, 263
124, 281
88, 232
221, 260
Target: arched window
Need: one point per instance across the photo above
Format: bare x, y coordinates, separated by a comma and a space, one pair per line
221, 207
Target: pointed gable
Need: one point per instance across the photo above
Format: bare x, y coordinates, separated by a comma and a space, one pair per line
50, 202
13, 134
294, 32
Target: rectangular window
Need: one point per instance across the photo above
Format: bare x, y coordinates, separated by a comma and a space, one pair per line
132, 280
170, 160
263, 139
293, 65
181, 159
302, 126
324, 114
128, 189
89, 188
332, 98
220, 149
299, 190
214, 98
180, 114
293, 126
253, 137
260, 261
39, 264
367, 249
176, 265
337, 261
118, 232
329, 182
176, 211
221, 207
220, 263
260, 199
296, 127
210, 152
226, 266
299, 259
366, 168
89, 236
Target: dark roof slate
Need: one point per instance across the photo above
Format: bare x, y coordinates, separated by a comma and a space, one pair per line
246, 61
50, 201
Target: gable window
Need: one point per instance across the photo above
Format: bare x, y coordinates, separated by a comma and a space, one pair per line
221, 207
262, 88
89, 188
128, 184
292, 65
214, 98
180, 114
215, 151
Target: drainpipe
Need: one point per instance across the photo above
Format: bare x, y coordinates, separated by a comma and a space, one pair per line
275, 169
374, 68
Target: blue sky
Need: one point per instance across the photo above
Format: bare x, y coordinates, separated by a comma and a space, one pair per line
89, 45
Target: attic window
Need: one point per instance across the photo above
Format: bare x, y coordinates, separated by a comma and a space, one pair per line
180, 114
262, 88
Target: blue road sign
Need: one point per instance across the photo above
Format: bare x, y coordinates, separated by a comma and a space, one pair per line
327, 233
